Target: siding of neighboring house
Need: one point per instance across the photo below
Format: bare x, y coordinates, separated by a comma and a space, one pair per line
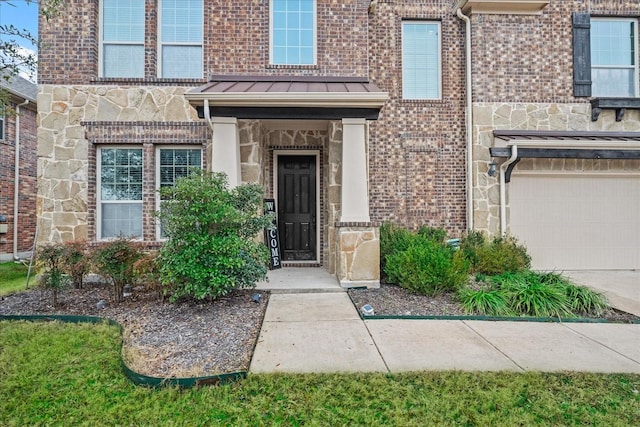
25, 232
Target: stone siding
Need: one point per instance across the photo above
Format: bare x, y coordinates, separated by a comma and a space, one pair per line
70, 118
528, 116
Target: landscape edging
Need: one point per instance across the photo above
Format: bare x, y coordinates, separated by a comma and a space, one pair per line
135, 377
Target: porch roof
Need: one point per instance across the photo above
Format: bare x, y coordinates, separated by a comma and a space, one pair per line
293, 97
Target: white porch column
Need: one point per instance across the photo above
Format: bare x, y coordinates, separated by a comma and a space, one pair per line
226, 148
355, 185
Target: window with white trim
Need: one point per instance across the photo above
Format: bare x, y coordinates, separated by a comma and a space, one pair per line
171, 164
421, 69
122, 38
614, 57
119, 192
181, 38
293, 32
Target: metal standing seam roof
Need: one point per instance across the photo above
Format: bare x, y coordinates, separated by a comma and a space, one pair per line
286, 84
536, 135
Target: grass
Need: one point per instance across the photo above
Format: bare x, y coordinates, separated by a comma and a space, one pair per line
13, 277
60, 374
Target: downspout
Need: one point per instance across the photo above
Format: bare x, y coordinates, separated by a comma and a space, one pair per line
207, 114
16, 182
503, 189
469, 119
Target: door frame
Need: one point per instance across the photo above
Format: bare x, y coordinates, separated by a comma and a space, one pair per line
319, 225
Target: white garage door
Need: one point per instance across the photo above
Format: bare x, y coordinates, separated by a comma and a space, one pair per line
578, 221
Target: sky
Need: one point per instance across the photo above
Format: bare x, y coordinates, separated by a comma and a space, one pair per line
23, 16
20, 14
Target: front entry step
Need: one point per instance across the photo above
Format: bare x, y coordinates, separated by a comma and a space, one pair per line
300, 280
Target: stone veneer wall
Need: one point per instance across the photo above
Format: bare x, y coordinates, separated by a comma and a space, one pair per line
65, 166
539, 116
358, 252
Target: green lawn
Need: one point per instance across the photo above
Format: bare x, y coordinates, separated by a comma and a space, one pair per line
61, 374
13, 277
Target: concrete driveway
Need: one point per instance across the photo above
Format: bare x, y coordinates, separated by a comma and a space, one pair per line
621, 287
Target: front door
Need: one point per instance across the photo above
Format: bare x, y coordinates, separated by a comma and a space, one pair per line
297, 207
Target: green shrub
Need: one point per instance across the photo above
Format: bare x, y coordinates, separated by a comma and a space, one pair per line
487, 301
428, 268
212, 247
114, 261
393, 239
583, 300
50, 259
75, 261
437, 235
502, 254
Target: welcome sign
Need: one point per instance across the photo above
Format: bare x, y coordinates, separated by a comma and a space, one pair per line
271, 236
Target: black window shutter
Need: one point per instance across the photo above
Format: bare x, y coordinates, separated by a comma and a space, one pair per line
581, 54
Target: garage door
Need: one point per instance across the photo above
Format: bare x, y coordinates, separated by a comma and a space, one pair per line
578, 221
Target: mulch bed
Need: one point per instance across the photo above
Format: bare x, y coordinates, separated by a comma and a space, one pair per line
191, 339
183, 339
393, 300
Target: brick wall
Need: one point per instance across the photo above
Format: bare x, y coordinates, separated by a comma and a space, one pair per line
417, 160
529, 58
27, 182
236, 41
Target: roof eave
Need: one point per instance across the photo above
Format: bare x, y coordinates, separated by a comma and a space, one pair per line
290, 99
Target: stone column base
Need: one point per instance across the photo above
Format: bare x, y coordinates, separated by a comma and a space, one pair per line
357, 255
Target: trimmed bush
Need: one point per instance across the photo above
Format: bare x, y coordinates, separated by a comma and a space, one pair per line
114, 261
50, 259
212, 247
75, 261
500, 255
427, 267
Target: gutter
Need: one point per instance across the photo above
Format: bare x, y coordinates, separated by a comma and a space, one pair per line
16, 182
469, 118
503, 188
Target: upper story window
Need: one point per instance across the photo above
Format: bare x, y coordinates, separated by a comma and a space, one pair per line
614, 57
181, 38
122, 38
119, 192
293, 32
421, 69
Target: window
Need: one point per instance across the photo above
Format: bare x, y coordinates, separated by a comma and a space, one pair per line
420, 60
181, 38
122, 46
614, 57
119, 192
174, 163
293, 32
1, 128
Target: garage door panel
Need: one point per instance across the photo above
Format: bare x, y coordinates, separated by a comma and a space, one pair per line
577, 221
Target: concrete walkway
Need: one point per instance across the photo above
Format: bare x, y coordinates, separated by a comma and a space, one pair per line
321, 331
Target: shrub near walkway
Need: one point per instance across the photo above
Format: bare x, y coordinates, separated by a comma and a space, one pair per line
423, 262
57, 374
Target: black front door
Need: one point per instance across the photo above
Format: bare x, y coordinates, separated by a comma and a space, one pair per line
297, 207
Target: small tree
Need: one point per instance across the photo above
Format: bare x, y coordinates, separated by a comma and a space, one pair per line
212, 247
75, 261
114, 260
50, 257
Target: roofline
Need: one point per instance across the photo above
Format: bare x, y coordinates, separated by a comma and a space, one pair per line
290, 99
